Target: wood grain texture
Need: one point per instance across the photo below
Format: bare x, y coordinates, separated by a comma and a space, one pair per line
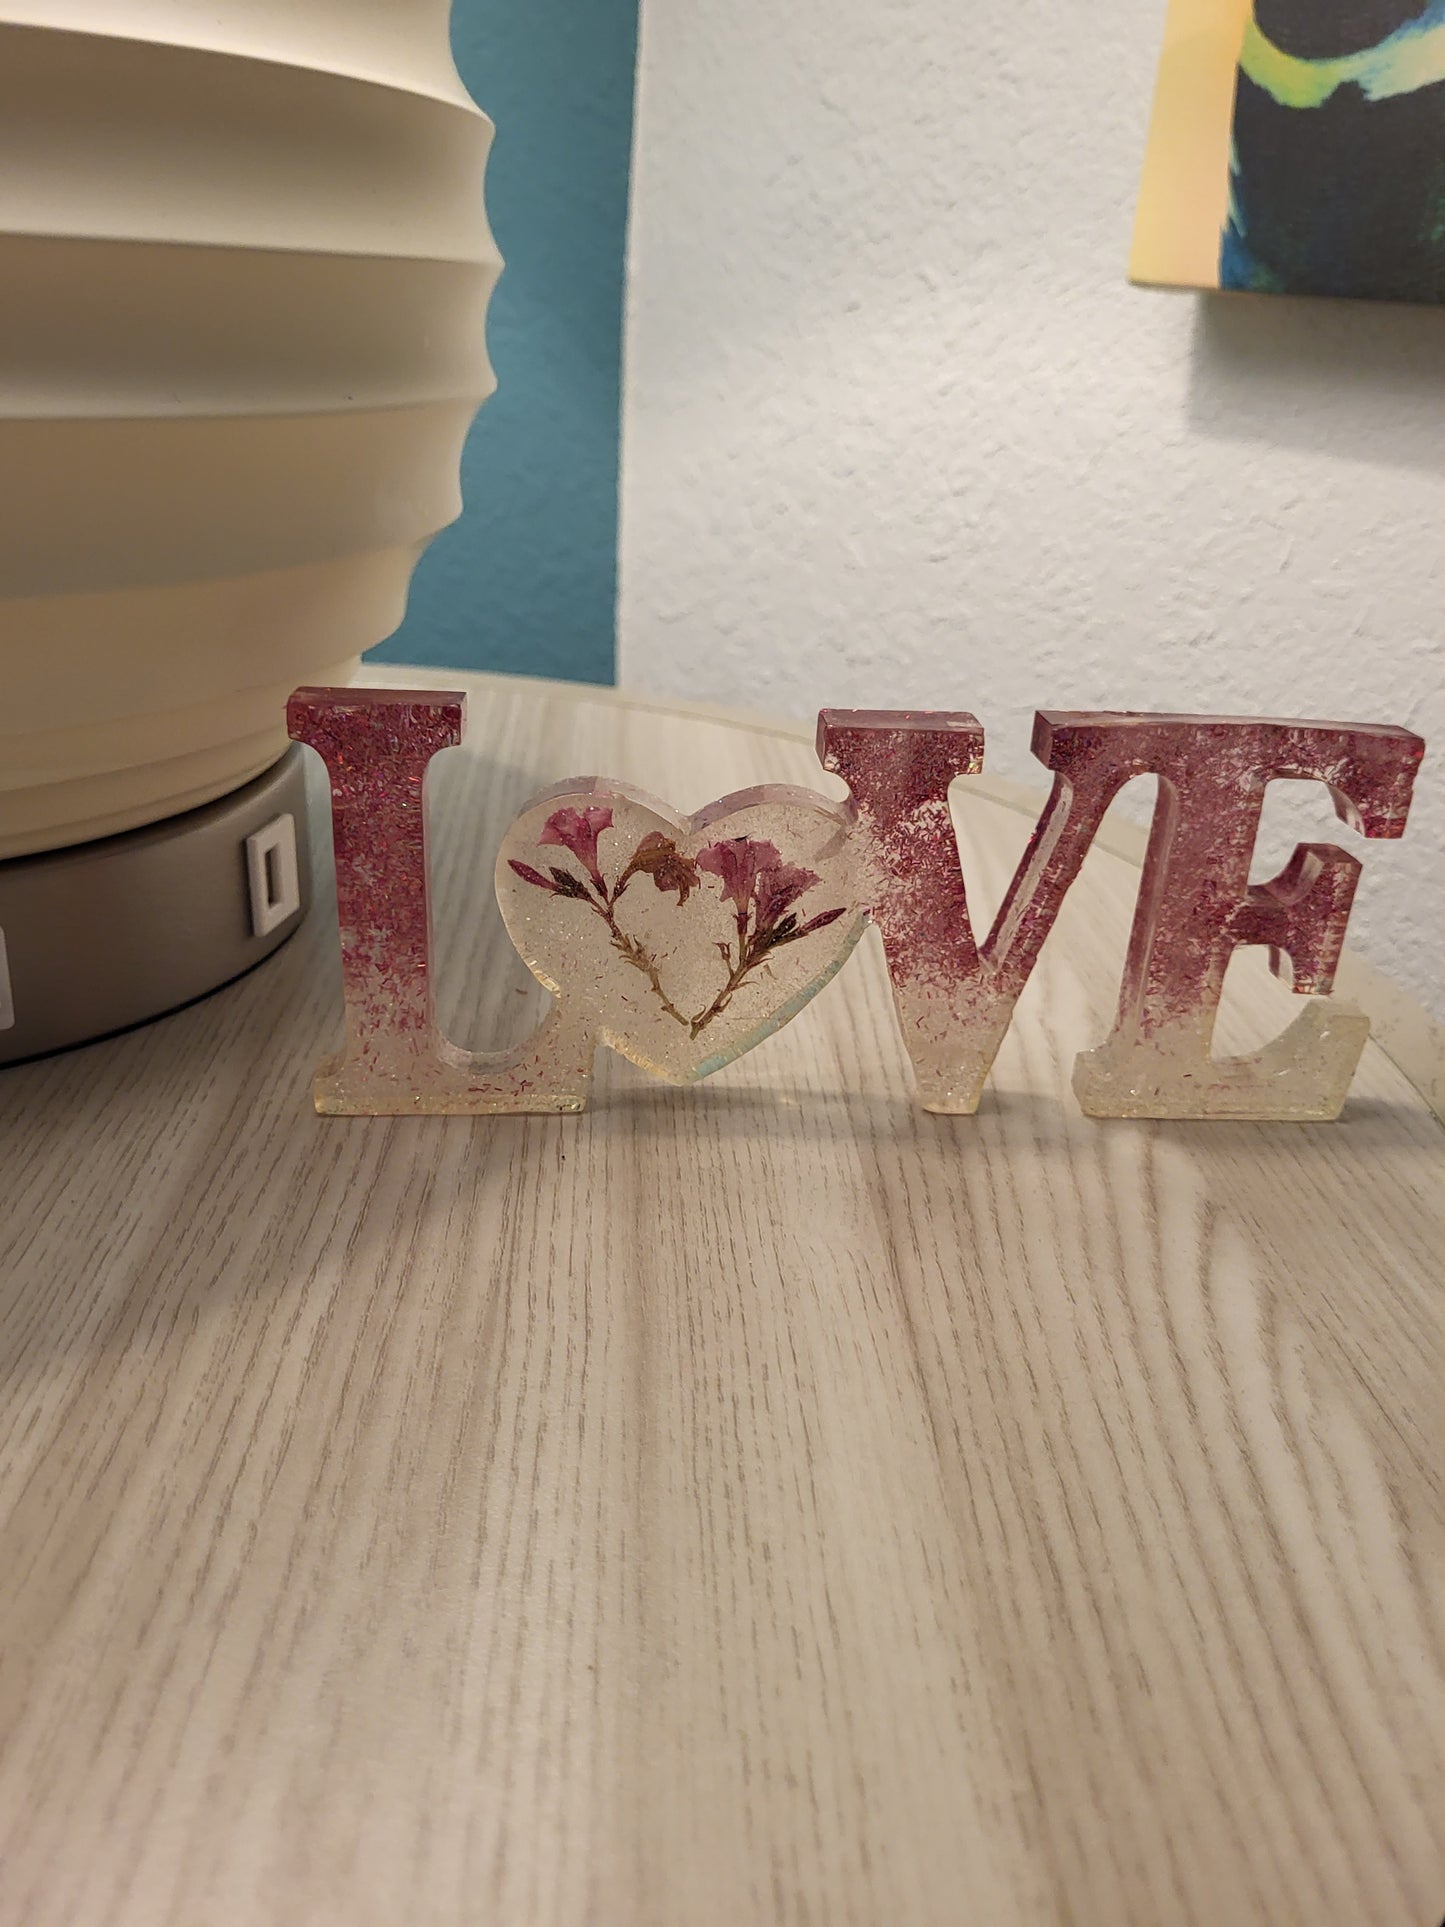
760, 1503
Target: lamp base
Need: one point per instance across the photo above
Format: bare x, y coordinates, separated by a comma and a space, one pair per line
108, 934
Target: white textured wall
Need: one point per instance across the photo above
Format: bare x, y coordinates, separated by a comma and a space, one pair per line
897, 432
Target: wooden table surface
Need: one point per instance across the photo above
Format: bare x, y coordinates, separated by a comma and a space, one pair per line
748, 1504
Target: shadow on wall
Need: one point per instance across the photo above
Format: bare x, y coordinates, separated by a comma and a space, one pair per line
527, 579
1343, 378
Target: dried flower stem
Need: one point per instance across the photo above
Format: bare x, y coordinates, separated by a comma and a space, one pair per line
640, 959
719, 1004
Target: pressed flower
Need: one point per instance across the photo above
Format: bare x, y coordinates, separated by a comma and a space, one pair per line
561, 882
821, 921
658, 857
737, 863
578, 831
776, 889
755, 880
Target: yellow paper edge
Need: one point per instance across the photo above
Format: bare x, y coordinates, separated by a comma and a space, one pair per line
1184, 190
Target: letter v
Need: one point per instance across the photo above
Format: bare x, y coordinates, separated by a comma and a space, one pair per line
954, 996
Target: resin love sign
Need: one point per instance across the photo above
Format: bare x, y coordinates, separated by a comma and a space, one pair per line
683, 941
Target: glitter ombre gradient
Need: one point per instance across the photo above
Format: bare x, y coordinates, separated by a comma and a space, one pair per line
376, 745
954, 996
1196, 903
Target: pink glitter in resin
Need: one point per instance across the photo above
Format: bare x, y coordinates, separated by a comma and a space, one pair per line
1197, 906
894, 851
650, 915
955, 998
377, 745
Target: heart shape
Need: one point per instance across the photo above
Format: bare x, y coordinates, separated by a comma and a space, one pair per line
685, 940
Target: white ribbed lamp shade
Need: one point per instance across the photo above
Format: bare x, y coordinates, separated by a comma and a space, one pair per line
244, 272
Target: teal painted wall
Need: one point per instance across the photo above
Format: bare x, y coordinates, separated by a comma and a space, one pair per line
527, 579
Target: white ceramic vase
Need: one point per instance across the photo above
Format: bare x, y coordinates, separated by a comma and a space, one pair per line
244, 272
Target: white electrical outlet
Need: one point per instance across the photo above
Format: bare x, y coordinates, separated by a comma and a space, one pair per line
271, 869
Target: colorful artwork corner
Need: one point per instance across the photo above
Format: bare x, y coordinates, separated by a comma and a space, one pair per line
1297, 147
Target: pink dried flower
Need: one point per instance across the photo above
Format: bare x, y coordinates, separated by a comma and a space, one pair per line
578, 831
822, 920
776, 889
737, 863
561, 883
